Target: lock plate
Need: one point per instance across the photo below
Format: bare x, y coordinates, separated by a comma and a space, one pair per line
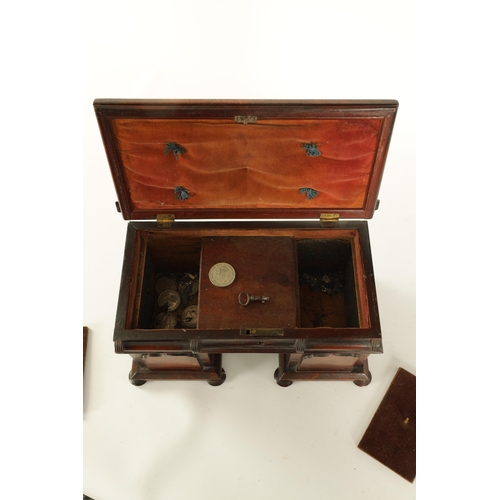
262, 332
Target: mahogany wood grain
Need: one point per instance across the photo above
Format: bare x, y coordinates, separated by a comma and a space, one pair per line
264, 266
391, 435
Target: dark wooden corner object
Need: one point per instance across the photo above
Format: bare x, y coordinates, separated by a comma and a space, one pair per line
391, 436
85, 336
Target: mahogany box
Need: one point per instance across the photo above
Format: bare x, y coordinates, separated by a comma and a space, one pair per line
277, 193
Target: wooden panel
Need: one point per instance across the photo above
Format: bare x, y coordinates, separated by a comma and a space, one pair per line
164, 362
391, 435
327, 363
264, 266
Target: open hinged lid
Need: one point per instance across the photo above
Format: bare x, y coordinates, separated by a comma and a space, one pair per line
201, 159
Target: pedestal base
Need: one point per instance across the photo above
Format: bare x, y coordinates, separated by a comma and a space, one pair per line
214, 374
285, 375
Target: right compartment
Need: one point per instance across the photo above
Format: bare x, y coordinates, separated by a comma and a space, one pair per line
328, 295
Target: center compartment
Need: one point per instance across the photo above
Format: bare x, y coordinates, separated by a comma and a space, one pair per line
265, 266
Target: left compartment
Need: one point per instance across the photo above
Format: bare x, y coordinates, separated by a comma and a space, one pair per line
159, 293
164, 291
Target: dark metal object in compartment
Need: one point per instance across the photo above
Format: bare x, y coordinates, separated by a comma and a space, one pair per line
327, 283
187, 286
165, 320
165, 283
169, 299
190, 316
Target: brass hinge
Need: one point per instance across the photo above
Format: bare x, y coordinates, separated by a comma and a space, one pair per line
165, 220
329, 218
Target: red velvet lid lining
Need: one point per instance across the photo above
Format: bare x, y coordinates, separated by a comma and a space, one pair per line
218, 168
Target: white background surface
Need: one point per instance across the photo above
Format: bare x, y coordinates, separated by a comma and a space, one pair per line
248, 438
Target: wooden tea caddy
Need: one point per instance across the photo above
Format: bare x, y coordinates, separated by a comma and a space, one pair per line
173, 160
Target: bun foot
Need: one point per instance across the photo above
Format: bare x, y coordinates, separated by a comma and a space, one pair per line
138, 383
216, 383
364, 383
282, 383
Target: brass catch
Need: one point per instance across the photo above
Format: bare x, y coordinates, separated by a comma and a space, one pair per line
245, 119
165, 220
262, 332
329, 218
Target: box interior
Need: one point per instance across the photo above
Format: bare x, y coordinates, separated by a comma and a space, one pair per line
327, 272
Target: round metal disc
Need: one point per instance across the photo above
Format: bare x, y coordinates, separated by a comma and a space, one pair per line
222, 274
165, 320
190, 316
165, 283
169, 298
